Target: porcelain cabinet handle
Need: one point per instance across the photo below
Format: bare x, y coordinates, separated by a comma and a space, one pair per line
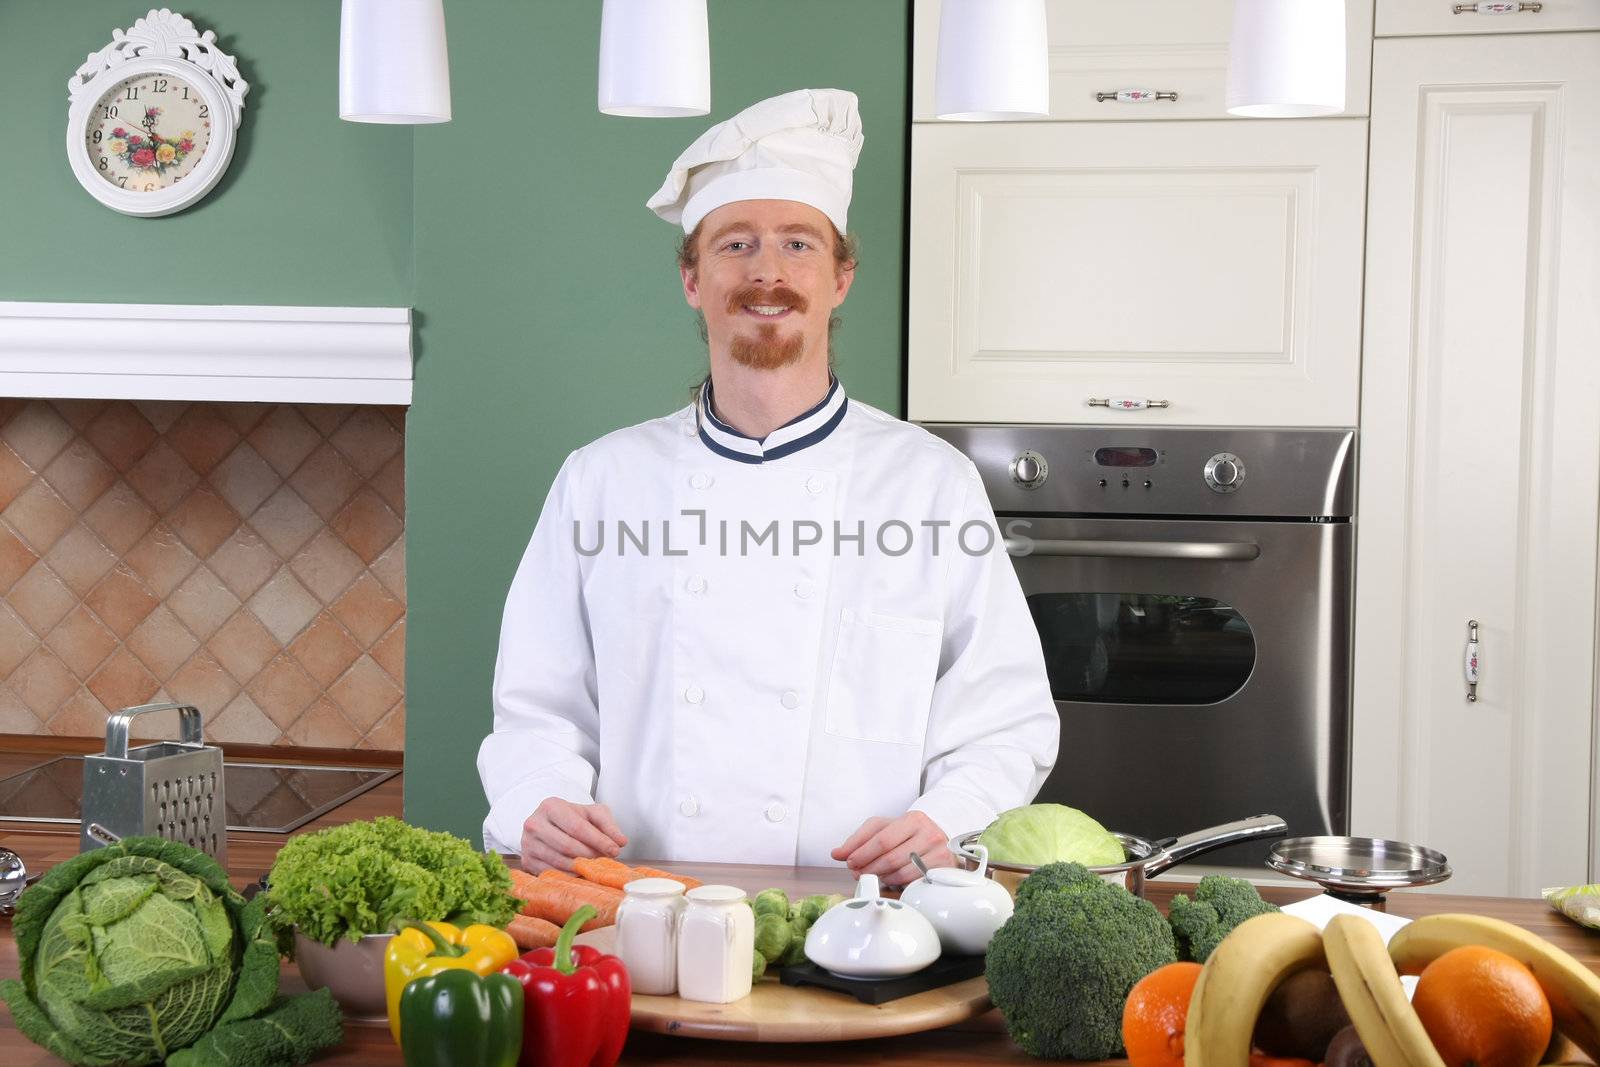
1470, 662
1495, 7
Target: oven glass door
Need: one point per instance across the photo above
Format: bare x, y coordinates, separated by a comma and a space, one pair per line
1201, 670
1143, 648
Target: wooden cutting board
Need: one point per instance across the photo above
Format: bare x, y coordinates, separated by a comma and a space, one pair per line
776, 1012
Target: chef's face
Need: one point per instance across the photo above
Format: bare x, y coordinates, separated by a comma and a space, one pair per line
767, 281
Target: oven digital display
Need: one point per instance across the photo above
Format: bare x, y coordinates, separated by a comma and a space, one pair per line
1125, 457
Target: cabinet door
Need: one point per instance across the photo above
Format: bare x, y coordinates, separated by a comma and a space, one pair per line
1166, 46
1214, 265
1479, 449
1412, 17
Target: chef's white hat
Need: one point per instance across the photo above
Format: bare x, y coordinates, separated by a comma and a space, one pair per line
799, 146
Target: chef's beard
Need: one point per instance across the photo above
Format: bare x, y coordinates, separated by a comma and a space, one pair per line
767, 350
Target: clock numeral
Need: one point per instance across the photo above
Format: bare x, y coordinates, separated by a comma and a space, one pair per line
122, 180
110, 110
161, 85
102, 162
148, 186
205, 111
186, 92
133, 93
96, 136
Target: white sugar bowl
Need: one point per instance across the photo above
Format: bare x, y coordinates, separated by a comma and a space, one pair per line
870, 936
965, 907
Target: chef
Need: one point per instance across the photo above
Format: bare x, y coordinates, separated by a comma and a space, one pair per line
778, 625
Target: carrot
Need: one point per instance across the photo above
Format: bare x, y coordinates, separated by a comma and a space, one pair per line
531, 932
556, 898
551, 872
605, 871
651, 872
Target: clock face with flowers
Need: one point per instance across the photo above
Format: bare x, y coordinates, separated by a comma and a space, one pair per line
153, 116
148, 132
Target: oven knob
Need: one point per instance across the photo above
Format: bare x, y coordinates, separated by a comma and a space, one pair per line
1029, 470
1224, 472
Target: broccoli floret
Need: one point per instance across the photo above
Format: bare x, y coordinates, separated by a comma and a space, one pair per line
1061, 967
1220, 903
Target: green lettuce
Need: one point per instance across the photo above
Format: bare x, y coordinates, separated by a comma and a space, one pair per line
1038, 834
362, 877
133, 952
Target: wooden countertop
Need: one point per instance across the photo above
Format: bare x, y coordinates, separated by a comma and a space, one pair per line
981, 1041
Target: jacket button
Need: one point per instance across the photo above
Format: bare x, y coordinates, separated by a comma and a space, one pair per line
694, 694
700, 480
804, 588
695, 584
790, 698
775, 812
688, 807
814, 485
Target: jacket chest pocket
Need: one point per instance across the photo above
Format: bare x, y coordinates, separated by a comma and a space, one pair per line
881, 684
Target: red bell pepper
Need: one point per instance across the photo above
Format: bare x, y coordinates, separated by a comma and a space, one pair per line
578, 1002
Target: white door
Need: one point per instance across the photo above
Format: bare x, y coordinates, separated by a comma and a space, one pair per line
1213, 266
1479, 449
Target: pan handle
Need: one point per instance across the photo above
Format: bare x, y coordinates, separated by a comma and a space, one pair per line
1212, 837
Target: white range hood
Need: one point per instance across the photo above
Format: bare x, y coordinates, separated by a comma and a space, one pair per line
273, 354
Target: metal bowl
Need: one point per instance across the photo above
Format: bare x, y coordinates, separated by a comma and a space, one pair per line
1359, 868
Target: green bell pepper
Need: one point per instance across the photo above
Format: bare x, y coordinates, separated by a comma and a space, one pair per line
456, 1017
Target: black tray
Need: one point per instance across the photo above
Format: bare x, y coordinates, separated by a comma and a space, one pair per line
946, 970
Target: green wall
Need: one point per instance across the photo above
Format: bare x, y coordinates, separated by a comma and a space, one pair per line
551, 310
311, 211
547, 304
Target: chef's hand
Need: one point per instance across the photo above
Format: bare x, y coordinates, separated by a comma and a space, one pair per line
883, 847
560, 831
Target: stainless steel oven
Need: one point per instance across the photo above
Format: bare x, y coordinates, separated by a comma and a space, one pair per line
1192, 590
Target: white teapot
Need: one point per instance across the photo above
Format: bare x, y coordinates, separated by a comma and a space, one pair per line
870, 936
965, 907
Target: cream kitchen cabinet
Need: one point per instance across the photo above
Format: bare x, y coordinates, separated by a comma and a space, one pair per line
1173, 47
1213, 266
1412, 17
1480, 442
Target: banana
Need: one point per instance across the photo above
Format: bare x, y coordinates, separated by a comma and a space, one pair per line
1235, 982
1572, 989
1370, 987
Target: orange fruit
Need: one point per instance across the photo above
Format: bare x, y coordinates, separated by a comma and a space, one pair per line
1482, 1008
1155, 1013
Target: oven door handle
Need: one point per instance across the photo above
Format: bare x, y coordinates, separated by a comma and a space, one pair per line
1220, 550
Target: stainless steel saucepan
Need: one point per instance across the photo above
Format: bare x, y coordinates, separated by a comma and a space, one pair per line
1145, 858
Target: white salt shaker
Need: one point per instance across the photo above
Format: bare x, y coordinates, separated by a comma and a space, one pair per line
716, 943
647, 934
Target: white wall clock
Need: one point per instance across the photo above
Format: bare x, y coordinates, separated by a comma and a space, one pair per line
153, 116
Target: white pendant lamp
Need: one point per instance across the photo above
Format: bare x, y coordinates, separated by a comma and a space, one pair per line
655, 58
1286, 58
393, 65
994, 61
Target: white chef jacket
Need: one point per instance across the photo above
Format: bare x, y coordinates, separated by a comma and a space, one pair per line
743, 698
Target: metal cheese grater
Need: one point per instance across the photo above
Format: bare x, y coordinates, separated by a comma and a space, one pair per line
170, 789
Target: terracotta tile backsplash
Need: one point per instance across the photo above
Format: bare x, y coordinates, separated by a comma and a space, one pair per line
245, 558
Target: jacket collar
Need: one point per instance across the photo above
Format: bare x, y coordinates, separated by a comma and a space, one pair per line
803, 431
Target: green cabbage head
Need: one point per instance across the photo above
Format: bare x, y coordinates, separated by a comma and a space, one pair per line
132, 952
1050, 833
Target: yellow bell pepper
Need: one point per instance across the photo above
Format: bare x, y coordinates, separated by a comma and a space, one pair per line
423, 949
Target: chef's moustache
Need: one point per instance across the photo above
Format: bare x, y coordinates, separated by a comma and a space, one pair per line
777, 296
